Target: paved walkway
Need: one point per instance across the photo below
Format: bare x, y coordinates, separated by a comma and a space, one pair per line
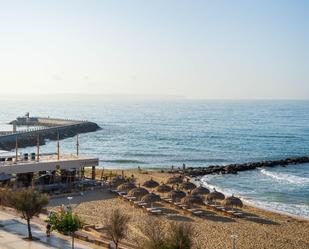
13, 229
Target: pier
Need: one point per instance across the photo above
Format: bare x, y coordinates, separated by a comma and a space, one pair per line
39, 129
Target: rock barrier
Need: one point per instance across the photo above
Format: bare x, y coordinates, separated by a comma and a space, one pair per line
235, 168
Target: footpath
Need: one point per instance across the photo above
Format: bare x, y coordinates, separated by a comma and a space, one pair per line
13, 231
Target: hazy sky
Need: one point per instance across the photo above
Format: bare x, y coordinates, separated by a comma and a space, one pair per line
197, 49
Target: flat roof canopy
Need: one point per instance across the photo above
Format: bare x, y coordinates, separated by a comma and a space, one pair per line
48, 164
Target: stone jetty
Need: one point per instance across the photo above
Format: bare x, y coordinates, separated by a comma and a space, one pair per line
235, 168
47, 129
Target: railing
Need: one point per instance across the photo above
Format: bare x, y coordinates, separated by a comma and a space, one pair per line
37, 130
44, 157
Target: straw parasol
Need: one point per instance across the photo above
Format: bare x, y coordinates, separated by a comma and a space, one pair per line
150, 198
151, 184
187, 185
126, 186
192, 199
200, 191
232, 201
117, 181
215, 195
176, 194
163, 188
138, 192
174, 180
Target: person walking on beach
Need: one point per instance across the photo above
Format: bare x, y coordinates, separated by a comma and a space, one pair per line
48, 228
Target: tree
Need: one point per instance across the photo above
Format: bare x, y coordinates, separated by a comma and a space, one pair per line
4, 197
117, 226
180, 236
159, 236
66, 223
154, 234
29, 203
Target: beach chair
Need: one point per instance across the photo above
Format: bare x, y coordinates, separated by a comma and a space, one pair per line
142, 204
197, 213
155, 211
172, 215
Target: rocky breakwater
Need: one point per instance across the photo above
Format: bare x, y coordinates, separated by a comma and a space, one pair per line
235, 168
30, 138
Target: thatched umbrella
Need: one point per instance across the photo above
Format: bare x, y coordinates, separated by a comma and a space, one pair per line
138, 192
151, 184
200, 191
192, 199
232, 201
215, 195
126, 186
163, 188
187, 185
174, 180
117, 181
150, 198
176, 194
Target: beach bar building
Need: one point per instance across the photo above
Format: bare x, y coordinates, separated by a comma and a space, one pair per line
47, 171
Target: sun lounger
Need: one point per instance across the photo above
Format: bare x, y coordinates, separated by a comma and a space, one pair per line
130, 198
114, 191
172, 215
214, 205
142, 204
220, 208
152, 209
121, 193
183, 206
156, 211
197, 213
238, 214
167, 200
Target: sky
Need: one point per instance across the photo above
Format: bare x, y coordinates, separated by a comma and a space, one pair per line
193, 49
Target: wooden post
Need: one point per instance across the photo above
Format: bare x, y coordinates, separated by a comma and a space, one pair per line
58, 147
77, 145
38, 148
93, 173
32, 181
83, 173
102, 175
16, 150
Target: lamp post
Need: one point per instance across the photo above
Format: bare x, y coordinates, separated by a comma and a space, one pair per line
234, 237
70, 198
77, 146
58, 146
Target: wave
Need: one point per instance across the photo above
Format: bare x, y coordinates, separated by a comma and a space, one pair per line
123, 161
301, 210
147, 155
286, 177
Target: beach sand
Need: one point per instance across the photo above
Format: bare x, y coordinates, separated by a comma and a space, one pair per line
260, 229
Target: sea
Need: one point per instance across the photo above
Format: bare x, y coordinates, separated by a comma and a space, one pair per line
160, 133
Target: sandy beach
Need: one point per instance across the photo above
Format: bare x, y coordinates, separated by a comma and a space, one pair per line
258, 229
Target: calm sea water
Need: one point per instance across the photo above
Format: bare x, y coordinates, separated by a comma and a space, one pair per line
198, 133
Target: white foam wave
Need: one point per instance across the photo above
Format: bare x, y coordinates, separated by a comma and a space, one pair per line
301, 210
286, 177
211, 187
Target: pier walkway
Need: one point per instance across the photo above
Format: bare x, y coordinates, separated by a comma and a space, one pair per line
43, 128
